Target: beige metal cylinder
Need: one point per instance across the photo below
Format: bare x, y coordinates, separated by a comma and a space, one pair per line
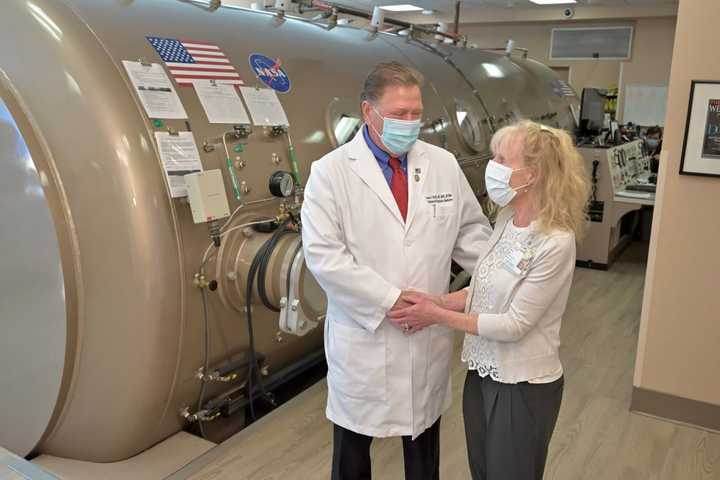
130, 252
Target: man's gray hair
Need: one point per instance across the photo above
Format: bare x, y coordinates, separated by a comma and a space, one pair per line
387, 74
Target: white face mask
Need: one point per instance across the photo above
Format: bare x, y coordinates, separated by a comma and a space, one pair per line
497, 182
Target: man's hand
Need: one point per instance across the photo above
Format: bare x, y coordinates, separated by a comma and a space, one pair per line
418, 316
408, 299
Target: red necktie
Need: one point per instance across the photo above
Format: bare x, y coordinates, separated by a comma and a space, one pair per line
399, 186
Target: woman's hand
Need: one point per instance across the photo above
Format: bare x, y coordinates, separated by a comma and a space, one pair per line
423, 313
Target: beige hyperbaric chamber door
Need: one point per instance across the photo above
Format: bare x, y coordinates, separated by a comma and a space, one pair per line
280, 282
32, 289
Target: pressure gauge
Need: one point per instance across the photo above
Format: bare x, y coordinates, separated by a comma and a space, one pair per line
282, 184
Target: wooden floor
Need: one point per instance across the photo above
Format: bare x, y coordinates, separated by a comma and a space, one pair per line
596, 436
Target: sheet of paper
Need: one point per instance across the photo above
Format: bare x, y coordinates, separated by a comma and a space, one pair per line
221, 102
265, 107
156, 92
180, 156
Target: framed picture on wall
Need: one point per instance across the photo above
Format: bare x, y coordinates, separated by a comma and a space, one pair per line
701, 147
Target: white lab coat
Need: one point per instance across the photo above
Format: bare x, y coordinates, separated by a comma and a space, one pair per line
382, 382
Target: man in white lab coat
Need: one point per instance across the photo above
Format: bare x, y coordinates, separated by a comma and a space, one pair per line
383, 214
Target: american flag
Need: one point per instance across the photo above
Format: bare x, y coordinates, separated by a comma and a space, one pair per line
191, 60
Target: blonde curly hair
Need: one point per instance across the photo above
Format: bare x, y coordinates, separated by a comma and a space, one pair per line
561, 189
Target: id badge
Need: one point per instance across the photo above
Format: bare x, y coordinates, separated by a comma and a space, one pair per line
517, 261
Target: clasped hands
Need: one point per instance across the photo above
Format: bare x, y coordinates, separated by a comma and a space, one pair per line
414, 311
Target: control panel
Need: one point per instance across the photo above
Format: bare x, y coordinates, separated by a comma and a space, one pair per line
627, 163
630, 175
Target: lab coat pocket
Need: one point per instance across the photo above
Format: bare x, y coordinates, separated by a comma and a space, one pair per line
442, 212
440, 357
356, 362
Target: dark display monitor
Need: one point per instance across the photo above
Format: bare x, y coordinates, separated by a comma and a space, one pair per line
592, 111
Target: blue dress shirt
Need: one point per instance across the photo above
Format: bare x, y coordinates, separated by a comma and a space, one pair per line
383, 158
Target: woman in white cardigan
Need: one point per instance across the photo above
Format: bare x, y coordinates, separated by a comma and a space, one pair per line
513, 308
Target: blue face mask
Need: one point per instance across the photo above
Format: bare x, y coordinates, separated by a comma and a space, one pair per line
398, 135
652, 143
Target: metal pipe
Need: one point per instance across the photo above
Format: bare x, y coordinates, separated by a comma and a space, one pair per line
233, 404
456, 26
230, 169
509, 47
378, 18
303, 10
210, 5
321, 16
524, 51
399, 23
293, 160
316, 4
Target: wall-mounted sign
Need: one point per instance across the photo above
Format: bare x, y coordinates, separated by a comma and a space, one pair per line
701, 148
270, 72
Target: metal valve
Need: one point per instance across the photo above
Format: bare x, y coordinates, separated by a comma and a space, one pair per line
199, 416
200, 281
277, 130
215, 376
242, 131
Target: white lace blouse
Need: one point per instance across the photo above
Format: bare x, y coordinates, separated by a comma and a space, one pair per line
519, 291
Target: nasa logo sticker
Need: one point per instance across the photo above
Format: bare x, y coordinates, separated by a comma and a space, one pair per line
270, 72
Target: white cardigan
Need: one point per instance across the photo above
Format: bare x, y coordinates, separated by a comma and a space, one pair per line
523, 325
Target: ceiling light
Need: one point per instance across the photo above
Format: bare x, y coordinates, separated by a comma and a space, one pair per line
401, 8
428, 12
553, 2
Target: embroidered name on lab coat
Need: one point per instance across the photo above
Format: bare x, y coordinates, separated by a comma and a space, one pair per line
439, 198
441, 203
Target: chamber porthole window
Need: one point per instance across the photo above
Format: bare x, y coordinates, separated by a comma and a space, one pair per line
470, 126
346, 128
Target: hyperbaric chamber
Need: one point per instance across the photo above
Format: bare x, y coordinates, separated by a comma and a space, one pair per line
124, 335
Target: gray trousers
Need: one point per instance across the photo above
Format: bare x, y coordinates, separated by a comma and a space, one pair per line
508, 427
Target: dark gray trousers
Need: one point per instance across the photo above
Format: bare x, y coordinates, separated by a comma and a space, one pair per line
351, 455
508, 427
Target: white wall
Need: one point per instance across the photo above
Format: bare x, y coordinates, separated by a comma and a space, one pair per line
649, 64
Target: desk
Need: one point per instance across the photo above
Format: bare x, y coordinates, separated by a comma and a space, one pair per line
635, 201
616, 168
